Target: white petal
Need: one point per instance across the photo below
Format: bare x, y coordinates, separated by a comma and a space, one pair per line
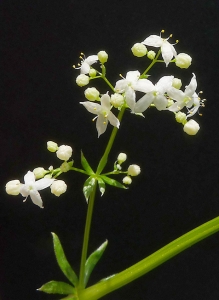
121, 85
132, 76
101, 124
164, 84
85, 68
176, 94
105, 102
24, 190
36, 199
91, 59
153, 40
93, 108
144, 85
190, 89
113, 120
143, 103
130, 97
29, 177
43, 183
160, 102
167, 52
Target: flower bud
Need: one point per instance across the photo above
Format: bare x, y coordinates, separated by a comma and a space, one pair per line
127, 180
117, 100
13, 187
121, 158
102, 56
180, 117
139, 50
82, 80
177, 83
92, 73
65, 166
64, 152
191, 127
151, 54
39, 172
52, 146
134, 170
91, 94
58, 187
183, 60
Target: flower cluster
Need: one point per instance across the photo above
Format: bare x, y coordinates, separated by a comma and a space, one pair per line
39, 178
165, 94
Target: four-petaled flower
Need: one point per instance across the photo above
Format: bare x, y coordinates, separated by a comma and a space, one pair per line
167, 49
130, 84
186, 98
156, 96
103, 113
87, 62
31, 188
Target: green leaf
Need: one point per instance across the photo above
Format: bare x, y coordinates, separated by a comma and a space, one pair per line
88, 187
102, 185
62, 261
86, 165
113, 182
57, 287
93, 260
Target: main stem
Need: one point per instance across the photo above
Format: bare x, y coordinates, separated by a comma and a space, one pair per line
100, 167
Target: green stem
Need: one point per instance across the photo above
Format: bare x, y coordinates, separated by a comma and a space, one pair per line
104, 158
151, 64
86, 236
149, 263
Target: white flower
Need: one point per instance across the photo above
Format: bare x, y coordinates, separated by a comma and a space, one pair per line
58, 187
156, 96
183, 60
64, 152
103, 113
132, 83
87, 62
185, 98
134, 170
13, 187
31, 188
167, 50
191, 127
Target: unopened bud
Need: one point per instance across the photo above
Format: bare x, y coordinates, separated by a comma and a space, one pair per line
82, 80
58, 187
134, 170
91, 94
127, 180
177, 83
13, 187
64, 152
102, 56
52, 146
151, 54
39, 172
139, 50
183, 60
191, 127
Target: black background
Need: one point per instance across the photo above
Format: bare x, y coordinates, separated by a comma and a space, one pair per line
178, 187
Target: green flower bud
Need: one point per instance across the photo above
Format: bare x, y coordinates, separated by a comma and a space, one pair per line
39, 172
177, 83
127, 180
183, 60
91, 94
52, 146
180, 117
82, 80
139, 50
151, 54
117, 100
102, 56
92, 73
191, 127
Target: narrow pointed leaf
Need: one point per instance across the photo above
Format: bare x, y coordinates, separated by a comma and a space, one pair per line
57, 287
113, 182
93, 260
62, 261
86, 165
102, 186
88, 187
